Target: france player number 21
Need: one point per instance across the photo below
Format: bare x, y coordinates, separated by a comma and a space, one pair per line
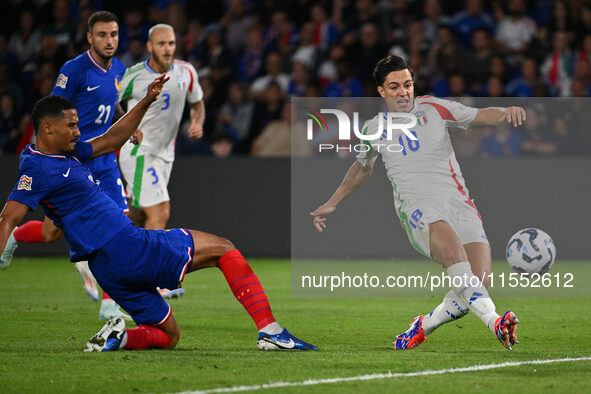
104, 112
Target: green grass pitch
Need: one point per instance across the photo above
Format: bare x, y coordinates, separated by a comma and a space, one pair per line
46, 319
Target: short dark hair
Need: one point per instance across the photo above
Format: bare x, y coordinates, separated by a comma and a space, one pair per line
387, 65
49, 106
101, 16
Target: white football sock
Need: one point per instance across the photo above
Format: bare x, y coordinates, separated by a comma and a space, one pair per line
470, 289
452, 308
272, 329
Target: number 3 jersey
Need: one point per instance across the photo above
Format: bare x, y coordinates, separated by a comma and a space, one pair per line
160, 125
94, 91
425, 169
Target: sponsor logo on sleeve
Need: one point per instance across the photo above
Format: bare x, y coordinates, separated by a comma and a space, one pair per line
62, 80
25, 182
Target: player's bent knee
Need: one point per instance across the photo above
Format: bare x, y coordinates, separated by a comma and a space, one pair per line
52, 236
226, 246
174, 339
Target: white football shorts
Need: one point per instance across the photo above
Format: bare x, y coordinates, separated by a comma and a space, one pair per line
459, 212
147, 177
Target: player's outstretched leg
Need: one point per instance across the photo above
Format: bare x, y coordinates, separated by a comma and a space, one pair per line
90, 285
8, 252
114, 336
505, 328
452, 308
446, 248
412, 337
171, 294
212, 251
110, 310
108, 338
33, 231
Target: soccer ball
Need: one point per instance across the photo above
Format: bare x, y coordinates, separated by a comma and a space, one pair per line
531, 251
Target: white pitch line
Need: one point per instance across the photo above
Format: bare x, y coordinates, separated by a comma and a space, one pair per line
313, 382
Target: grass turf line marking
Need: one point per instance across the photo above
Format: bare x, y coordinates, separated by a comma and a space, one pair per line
313, 382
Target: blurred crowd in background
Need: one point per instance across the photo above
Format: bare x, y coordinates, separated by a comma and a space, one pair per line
253, 55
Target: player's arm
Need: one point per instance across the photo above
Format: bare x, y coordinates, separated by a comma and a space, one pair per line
10, 217
493, 116
356, 176
137, 136
121, 131
67, 82
119, 112
197, 120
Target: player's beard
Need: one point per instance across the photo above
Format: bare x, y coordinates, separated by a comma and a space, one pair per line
101, 53
104, 57
71, 152
163, 64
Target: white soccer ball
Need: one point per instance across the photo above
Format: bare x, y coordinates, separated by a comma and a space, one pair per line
531, 251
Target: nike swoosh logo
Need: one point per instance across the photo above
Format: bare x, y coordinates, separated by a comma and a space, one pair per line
285, 345
89, 89
67, 173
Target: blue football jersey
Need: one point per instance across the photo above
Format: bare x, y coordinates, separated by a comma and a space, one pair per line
70, 197
94, 90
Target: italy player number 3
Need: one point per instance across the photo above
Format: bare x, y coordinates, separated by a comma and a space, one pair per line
166, 98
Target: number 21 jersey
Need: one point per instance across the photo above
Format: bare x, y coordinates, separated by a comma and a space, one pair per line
94, 90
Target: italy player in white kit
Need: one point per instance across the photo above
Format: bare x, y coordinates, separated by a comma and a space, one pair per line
146, 166
431, 199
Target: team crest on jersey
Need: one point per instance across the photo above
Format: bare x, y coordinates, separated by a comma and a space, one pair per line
25, 182
181, 82
117, 83
62, 80
421, 118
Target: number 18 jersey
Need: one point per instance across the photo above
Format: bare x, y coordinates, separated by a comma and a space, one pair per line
425, 169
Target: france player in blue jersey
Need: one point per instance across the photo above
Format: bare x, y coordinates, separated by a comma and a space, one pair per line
91, 81
128, 261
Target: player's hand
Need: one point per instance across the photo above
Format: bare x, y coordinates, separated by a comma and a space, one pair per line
155, 87
320, 215
195, 131
137, 137
514, 115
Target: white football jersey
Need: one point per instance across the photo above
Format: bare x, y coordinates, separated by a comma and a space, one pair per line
160, 125
425, 169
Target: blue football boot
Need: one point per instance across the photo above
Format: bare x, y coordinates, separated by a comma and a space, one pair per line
282, 341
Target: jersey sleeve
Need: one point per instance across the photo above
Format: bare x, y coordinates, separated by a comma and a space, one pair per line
194, 93
461, 115
83, 150
32, 186
66, 83
367, 154
128, 81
